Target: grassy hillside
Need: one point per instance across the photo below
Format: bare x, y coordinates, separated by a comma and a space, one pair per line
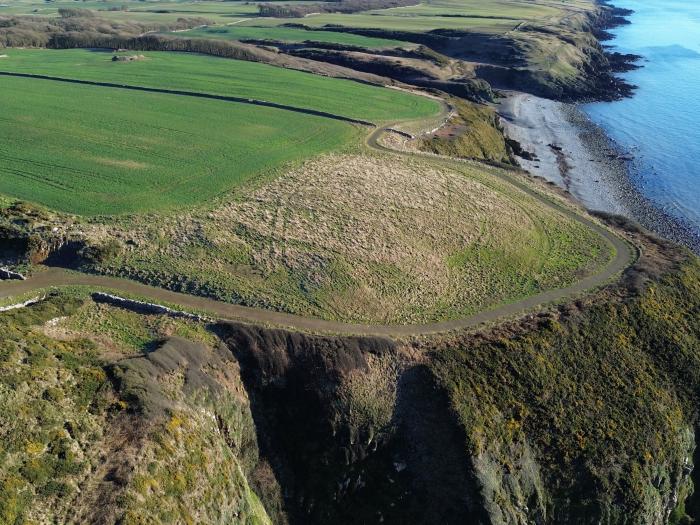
587, 412
473, 132
363, 238
226, 77
94, 150
585, 415
88, 440
589, 415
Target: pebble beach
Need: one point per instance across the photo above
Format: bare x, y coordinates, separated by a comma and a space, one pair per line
567, 148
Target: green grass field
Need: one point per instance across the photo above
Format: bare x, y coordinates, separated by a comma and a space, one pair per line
389, 21
94, 150
291, 34
493, 16
146, 11
226, 77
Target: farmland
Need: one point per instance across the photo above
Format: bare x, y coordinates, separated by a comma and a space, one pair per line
218, 76
151, 11
93, 150
474, 15
104, 150
309, 283
496, 17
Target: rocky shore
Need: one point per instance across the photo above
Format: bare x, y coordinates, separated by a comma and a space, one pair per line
564, 146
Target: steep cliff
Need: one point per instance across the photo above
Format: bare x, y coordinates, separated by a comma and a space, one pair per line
584, 413
587, 415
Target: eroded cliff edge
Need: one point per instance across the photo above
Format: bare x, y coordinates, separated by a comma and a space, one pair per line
583, 414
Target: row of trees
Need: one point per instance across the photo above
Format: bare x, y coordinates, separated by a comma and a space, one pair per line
221, 48
341, 6
31, 31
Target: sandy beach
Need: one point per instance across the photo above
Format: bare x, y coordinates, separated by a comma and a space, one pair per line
576, 154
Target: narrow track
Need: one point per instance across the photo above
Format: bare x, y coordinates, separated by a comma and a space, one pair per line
625, 255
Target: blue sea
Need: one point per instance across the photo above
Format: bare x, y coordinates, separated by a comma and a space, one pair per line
660, 124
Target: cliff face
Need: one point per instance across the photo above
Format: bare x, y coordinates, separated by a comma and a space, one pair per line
584, 415
165, 437
587, 416
559, 58
355, 431
563, 61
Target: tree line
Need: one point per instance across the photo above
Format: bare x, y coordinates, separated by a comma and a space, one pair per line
220, 48
341, 6
84, 24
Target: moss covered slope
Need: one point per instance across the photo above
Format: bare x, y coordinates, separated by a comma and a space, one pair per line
589, 415
165, 437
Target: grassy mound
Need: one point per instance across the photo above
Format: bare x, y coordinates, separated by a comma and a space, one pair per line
367, 239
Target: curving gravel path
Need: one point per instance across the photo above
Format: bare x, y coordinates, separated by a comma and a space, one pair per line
625, 255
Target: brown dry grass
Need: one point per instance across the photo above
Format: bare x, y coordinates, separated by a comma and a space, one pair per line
367, 238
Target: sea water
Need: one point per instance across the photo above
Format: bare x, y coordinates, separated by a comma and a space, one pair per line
659, 124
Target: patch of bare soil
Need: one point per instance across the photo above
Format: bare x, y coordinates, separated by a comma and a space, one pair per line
398, 141
450, 131
119, 163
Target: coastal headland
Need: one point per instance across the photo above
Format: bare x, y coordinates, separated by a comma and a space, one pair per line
353, 262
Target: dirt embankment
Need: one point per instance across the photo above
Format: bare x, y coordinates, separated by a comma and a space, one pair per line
419, 72
354, 431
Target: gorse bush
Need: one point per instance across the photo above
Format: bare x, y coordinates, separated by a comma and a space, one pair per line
81, 26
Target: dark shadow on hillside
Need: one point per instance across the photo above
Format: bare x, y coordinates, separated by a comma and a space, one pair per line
418, 472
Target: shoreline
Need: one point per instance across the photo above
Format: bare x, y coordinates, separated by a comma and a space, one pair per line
573, 152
